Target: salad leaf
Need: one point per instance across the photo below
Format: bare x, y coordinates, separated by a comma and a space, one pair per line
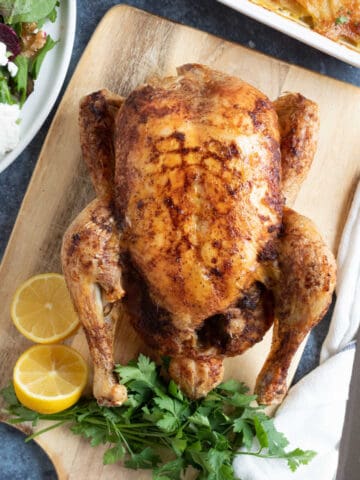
5, 95
52, 16
15, 11
21, 78
36, 62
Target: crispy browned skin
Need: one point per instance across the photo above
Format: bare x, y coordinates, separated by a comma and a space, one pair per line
96, 123
199, 253
299, 126
198, 183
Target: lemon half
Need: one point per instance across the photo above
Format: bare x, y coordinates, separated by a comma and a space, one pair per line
42, 309
50, 378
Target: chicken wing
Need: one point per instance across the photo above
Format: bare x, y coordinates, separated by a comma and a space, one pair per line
299, 127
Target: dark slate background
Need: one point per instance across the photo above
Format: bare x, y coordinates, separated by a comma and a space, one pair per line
206, 15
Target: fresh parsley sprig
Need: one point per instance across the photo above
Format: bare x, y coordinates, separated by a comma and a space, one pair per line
158, 420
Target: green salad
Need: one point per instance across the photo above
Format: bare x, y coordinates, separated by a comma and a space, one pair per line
23, 46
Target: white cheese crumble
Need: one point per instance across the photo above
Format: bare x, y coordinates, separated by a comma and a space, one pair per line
13, 69
4, 60
9, 128
3, 57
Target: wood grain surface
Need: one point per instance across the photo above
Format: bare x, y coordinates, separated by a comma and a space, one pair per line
128, 46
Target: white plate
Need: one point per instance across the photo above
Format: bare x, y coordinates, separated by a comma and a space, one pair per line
50, 80
294, 29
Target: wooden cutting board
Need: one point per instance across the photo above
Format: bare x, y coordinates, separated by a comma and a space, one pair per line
127, 47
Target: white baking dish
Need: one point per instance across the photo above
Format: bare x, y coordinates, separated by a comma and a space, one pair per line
295, 30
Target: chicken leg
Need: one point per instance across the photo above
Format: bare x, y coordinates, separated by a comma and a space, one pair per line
302, 294
90, 260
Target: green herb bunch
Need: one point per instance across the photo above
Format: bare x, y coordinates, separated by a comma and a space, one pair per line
158, 422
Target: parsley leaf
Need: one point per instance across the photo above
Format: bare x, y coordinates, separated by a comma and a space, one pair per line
169, 404
114, 454
298, 457
241, 400
276, 440
143, 371
261, 433
8, 394
178, 445
242, 426
199, 419
168, 423
146, 459
233, 385
175, 391
169, 471
93, 433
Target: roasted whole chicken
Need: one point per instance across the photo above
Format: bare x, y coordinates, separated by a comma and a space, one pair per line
191, 231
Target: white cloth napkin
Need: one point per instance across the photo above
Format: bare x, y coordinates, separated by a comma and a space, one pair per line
312, 414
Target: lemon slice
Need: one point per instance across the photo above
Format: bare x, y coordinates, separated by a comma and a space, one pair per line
42, 310
49, 378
